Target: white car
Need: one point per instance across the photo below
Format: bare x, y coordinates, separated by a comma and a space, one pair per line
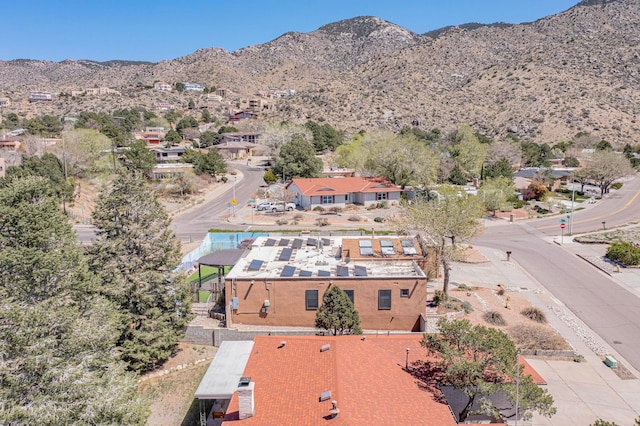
264, 206
276, 207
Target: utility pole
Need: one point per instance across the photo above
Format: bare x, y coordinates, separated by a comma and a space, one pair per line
64, 168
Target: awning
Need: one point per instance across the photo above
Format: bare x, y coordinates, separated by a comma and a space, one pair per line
222, 258
224, 373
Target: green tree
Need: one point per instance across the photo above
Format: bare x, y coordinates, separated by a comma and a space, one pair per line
481, 361
607, 166
604, 145
139, 158
269, 177
227, 129
570, 162
179, 87
337, 314
324, 136
191, 104
206, 116
452, 216
404, 160
468, 153
457, 176
58, 366
135, 256
173, 137
83, 152
208, 139
47, 166
495, 193
211, 163
297, 159
11, 121
500, 168
187, 122
172, 116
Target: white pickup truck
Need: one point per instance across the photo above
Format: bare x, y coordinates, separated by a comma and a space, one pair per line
276, 206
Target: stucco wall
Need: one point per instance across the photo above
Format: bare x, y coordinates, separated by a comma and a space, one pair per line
287, 301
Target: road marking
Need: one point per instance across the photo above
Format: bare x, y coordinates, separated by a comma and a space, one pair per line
598, 217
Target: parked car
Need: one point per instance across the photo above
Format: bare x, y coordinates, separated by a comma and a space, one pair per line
264, 206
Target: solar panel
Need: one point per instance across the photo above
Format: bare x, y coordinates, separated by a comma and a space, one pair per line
409, 250
342, 271
255, 265
312, 242
322, 273
270, 242
286, 254
360, 271
388, 251
304, 273
283, 242
326, 241
386, 243
297, 243
365, 243
407, 243
366, 251
288, 271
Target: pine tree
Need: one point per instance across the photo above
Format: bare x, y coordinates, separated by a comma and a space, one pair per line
135, 256
337, 314
58, 363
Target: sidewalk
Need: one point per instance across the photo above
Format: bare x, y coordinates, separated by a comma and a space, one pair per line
583, 392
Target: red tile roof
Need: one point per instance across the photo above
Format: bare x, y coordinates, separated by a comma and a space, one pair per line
365, 377
346, 185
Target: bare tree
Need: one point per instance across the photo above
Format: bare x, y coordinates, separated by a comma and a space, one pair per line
607, 166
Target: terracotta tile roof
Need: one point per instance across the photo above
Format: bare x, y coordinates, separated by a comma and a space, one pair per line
346, 185
365, 377
528, 370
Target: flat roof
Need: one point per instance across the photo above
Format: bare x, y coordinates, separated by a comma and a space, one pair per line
224, 373
310, 257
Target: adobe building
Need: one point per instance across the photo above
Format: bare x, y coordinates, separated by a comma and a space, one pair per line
281, 281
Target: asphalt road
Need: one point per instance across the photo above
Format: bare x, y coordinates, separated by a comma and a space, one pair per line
618, 208
195, 223
608, 308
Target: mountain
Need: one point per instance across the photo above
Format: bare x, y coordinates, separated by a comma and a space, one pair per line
575, 71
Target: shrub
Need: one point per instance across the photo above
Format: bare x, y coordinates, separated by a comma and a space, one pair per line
463, 287
534, 314
378, 220
383, 204
281, 222
354, 219
536, 337
224, 179
318, 209
439, 297
494, 318
624, 252
297, 216
467, 307
616, 185
322, 221
540, 210
500, 291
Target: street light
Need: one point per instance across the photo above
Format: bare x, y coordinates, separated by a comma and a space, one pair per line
517, 385
233, 201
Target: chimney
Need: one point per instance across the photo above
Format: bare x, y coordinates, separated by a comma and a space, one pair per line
246, 406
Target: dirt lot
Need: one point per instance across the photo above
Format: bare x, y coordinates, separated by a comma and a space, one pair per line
170, 388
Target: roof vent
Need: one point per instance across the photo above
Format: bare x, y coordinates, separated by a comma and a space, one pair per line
325, 396
283, 343
244, 381
325, 348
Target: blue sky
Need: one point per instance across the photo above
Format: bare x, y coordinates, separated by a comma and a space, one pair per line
161, 29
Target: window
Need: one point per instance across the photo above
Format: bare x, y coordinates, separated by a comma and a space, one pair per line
350, 295
384, 299
404, 292
381, 196
311, 299
327, 199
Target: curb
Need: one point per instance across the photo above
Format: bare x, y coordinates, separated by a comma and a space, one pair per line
593, 264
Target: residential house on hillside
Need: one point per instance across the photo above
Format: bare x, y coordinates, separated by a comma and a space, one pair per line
281, 281
193, 87
168, 155
164, 106
100, 91
162, 85
338, 192
10, 143
241, 115
37, 96
523, 177
337, 380
5, 102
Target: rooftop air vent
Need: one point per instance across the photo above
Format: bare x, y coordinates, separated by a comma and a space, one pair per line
244, 381
325, 348
325, 396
